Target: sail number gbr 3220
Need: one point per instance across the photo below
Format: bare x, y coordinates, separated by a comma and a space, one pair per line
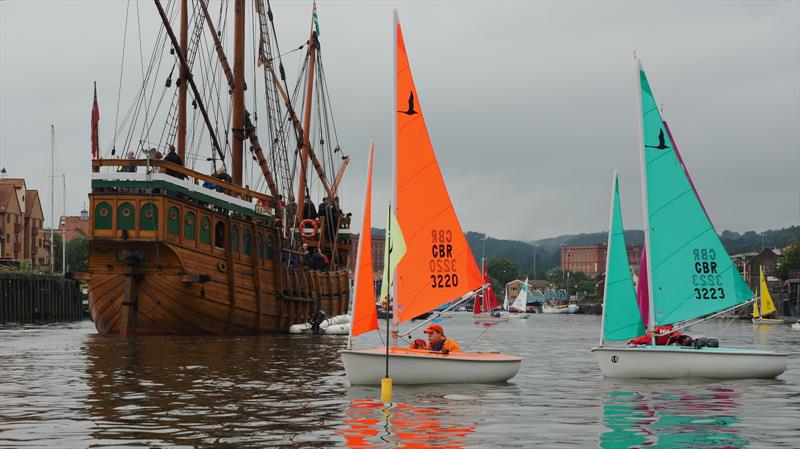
707, 282
442, 264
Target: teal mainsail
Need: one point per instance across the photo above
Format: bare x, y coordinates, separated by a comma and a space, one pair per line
621, 320
691, 274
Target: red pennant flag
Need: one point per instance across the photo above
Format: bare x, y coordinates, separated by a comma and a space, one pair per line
95, 121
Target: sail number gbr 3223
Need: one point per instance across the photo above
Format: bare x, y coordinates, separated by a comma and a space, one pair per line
707, 282
442, 264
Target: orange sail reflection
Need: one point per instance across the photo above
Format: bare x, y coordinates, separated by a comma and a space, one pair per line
365, 316
438, 265
372, 425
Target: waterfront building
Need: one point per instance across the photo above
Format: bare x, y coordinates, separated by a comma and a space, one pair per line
22, 238
591, 259
378, 243
74, 226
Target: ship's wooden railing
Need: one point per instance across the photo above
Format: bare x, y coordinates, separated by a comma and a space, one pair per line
193, 176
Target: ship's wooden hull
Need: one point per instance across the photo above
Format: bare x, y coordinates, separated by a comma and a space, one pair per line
164, 295
173, 264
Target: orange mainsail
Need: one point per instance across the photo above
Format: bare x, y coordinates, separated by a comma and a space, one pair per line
438, 266
365, 317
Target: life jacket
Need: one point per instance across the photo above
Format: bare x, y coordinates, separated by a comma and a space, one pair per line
661, 340
447, 346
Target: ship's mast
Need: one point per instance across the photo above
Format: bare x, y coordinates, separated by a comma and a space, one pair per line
184, 74
312, 53
237, 144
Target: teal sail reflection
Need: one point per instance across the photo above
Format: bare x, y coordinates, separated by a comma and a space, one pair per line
672, 420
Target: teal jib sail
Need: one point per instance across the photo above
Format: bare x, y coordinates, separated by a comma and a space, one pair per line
622, 320
691, 273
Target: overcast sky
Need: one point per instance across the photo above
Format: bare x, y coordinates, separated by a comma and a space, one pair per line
530, 105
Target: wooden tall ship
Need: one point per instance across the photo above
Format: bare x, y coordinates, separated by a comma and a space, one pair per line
174, 250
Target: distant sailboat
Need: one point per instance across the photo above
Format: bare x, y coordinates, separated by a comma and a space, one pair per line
485, 307
689, 274
431, 259
764, 305
519, 308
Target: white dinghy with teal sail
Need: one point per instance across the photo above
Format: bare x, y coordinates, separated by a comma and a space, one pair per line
690, 275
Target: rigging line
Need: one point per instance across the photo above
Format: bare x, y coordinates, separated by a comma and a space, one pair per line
141, 53
141, 99
145, 83
327, 94
277, 47
121, 68
322, 107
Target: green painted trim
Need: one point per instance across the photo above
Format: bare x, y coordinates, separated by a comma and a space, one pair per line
235, 238
173, 221
246, 242
148, 223
102, 216
126, 216
102, 183
189, 223
205, 234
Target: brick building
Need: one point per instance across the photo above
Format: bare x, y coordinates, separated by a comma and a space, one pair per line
74, 226
21, 226
378, 242
591, 259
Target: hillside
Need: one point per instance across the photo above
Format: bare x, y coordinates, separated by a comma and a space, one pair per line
548, 251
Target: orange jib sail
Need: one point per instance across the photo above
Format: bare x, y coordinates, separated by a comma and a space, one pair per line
365, 317
438, 266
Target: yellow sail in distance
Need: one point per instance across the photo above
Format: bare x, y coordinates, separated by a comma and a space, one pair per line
765, 302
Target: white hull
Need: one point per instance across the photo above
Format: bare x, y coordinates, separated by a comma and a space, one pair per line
519, 316
337, 329
368, 366
796, 326
767, 321
669, 362
488, 318
572, 308
335, 323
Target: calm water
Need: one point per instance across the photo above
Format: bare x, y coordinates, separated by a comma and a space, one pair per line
65, 386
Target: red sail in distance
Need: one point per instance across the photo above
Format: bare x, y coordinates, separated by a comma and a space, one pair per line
486, 301
95, 122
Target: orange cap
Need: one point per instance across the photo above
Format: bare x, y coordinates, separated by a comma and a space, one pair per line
434, 327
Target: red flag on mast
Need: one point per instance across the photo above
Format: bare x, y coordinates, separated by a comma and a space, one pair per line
95, 121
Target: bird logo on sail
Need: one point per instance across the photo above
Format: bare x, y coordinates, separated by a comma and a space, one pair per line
661, 144
410, 110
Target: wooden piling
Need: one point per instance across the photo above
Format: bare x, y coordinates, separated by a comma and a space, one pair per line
36, 298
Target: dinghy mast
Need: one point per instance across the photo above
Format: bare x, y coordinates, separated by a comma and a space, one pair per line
648, 258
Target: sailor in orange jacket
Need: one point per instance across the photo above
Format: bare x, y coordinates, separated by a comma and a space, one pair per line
436, 341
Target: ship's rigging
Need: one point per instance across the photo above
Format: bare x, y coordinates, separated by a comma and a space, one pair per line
272, 111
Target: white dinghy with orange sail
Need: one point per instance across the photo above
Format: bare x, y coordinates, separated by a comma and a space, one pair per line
430, 262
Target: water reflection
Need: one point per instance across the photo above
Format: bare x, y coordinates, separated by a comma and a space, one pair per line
371, 424
667, 420
194, 391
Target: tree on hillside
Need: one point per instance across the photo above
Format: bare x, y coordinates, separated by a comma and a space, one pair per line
789, 262
503, 270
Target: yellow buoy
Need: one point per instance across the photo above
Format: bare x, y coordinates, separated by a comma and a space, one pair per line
386, 390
